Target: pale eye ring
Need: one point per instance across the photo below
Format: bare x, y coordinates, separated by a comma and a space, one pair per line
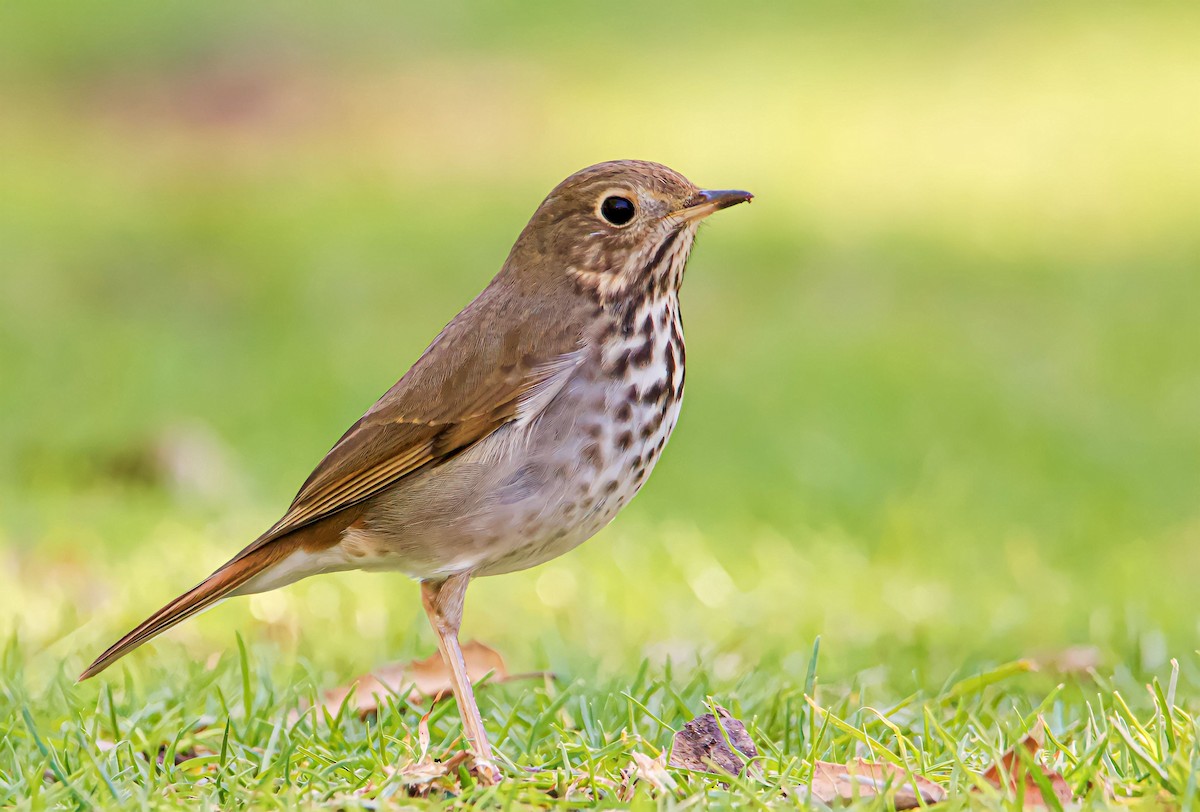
617, 210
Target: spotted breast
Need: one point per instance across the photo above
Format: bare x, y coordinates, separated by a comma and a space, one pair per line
548, 481
608, 430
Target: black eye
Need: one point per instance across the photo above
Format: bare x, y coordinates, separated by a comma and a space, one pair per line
617, 210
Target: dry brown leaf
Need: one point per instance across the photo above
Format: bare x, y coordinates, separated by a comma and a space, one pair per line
702, 746
833, 783
625, 791
1012, 768
428, 678
653, 771
419, 776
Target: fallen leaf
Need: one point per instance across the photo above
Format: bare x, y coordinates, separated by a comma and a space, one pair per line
1012, 768
418, 776
423, 738
653, 771
702, 745
625, 791
428, 678
832, 783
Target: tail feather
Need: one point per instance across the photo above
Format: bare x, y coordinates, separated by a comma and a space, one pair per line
221, 584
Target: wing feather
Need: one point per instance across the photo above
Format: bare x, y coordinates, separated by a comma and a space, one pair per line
476, 376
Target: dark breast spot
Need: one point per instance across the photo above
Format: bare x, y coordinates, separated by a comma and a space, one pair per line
620, 364
627, 320
654, 392
593, 456
625, 440
643, 355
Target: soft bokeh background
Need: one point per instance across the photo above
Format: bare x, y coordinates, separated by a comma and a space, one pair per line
944, 377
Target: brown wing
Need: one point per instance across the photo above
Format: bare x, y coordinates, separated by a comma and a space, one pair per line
477, 375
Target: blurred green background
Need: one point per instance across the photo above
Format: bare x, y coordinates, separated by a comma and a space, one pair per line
944, 382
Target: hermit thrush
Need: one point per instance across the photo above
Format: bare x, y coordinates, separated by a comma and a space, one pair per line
527, 424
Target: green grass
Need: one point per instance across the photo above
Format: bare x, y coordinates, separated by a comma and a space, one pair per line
941, 411
224, 737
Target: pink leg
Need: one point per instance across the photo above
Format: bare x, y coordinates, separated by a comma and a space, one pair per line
443, 601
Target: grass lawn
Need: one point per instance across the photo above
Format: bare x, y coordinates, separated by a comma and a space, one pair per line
937, 474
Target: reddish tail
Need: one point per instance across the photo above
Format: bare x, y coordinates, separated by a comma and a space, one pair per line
219, 585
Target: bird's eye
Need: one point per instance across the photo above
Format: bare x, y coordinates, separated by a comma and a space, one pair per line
617, 210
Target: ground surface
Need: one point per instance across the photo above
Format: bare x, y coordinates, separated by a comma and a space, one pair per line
942, 400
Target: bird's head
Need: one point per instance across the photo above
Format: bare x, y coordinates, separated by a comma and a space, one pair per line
620, 227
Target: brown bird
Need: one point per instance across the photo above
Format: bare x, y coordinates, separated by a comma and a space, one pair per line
528, 423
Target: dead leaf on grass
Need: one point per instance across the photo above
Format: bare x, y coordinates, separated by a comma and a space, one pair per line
836, 783
1013, 769
417, 776
702, 745
428, 678
653, 771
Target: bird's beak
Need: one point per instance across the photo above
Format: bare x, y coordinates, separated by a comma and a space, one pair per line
707, 201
